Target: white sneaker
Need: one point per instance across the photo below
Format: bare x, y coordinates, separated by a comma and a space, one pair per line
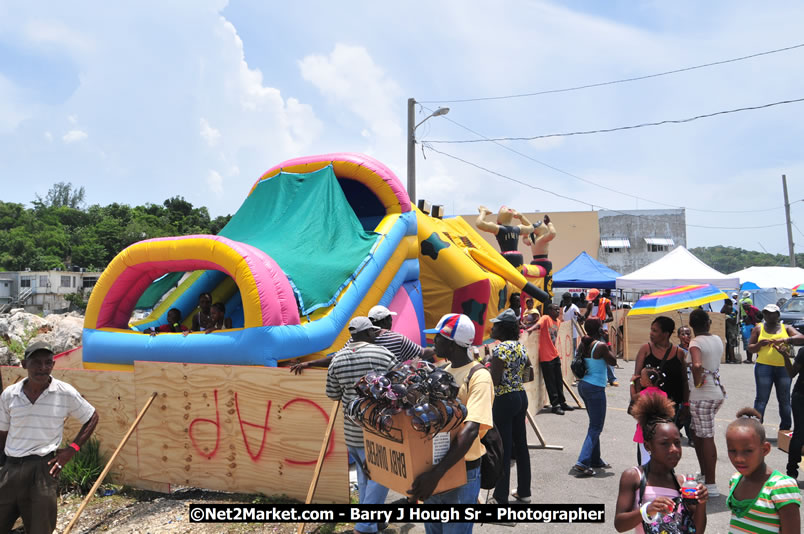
713, 491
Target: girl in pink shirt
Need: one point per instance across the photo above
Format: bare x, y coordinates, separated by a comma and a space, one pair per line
649, 385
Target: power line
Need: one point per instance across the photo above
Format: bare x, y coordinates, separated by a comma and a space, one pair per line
625, 80
567, 173
475, 165
799, 231
619, 128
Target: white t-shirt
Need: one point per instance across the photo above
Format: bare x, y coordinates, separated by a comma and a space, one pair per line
711, 348
571, 314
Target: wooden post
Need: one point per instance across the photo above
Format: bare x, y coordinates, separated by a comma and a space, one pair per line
572, 394
543, 444
109, 464
330, 425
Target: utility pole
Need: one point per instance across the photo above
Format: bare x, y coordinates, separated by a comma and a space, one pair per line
412, 144
789, 228
411, 150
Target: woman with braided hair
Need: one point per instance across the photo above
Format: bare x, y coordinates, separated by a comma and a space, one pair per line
649, 498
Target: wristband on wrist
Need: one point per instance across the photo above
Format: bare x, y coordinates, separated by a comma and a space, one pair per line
687, 404
75, 446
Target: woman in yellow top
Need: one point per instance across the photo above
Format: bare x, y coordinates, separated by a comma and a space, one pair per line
767, 339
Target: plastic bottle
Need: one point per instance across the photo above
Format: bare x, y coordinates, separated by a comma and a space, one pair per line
689, 489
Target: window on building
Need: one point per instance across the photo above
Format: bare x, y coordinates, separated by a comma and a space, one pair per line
25, 282
89, 281
659, 244
613, 245
73, 281
65, 281
43, 281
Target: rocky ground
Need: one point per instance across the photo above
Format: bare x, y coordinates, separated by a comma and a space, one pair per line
150, 513
19, 328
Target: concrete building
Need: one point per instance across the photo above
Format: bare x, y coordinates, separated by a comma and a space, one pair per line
43, 291
630, 240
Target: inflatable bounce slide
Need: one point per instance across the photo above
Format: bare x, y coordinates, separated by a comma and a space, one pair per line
317, 241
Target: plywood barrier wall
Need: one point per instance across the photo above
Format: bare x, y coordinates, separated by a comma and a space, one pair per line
232, 428
637, 330
241, 429
112, 395
72, 359
537, 393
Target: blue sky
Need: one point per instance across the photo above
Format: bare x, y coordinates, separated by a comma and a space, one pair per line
141, 101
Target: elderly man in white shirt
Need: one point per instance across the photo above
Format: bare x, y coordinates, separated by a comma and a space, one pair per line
32, 414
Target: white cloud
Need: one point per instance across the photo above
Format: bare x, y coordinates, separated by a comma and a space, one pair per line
48, 136
215, 182
72, 119
74, 136
349, 78
208, 133
55, 32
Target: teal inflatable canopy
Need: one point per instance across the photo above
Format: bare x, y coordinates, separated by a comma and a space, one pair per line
305, 223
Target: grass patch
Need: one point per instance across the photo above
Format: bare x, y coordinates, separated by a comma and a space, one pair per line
83, 470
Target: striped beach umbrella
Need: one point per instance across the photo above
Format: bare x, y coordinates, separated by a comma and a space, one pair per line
677, 298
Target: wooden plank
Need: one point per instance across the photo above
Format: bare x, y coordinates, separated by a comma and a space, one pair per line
112, 395
236, 428
637, 330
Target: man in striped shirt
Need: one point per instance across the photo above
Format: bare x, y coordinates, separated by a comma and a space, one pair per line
349, 364
400, 346
32, 414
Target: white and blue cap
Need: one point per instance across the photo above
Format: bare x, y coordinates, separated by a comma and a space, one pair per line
457, 327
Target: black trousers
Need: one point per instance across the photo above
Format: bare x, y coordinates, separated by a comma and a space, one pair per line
553, 381
797, 441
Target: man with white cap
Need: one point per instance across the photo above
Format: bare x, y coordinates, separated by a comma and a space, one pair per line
454, 335
768, 340
349, 364
400, 346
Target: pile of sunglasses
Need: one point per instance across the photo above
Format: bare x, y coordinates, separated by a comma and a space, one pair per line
416, 387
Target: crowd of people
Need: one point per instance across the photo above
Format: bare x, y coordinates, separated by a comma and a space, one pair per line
675, 388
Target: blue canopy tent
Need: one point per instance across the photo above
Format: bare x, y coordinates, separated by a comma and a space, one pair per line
585, 271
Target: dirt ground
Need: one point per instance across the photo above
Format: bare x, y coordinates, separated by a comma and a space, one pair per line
141, 512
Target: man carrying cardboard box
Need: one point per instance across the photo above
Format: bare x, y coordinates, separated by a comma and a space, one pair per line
348, 365
454, 335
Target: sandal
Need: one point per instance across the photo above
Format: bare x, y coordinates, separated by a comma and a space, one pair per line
516, 496
583, 471
604, 465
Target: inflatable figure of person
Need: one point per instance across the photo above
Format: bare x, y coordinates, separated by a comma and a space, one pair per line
507, 234
539, 242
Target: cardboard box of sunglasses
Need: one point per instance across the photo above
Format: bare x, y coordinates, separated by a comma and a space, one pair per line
783, 440
397, 458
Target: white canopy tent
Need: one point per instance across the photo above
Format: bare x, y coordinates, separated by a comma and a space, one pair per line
768, 277
678, 267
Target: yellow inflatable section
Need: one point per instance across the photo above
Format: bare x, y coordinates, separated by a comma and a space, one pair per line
460, 272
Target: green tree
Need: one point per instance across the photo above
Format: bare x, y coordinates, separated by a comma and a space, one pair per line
63, 194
